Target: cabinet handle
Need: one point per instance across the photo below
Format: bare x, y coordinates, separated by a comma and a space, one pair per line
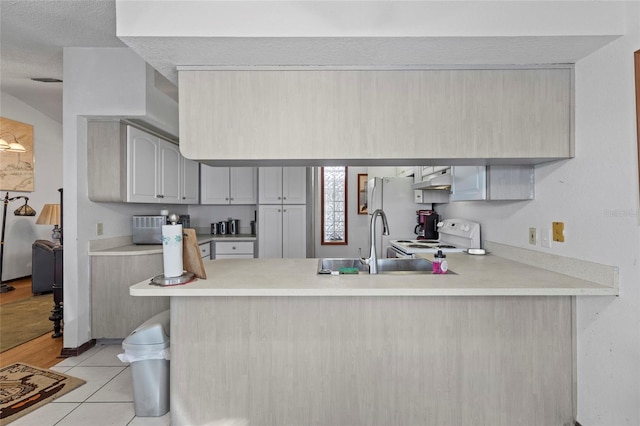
160, 196
233, 248
279, 198
226, 198
279, 210
284, 210
231, 198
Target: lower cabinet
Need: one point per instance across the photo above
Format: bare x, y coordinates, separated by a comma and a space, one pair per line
205, 250
282, 231
114, 312
234, 250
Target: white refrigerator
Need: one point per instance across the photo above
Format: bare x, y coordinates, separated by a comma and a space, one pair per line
394, 195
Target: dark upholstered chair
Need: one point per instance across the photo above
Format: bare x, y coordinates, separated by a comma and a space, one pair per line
43, 268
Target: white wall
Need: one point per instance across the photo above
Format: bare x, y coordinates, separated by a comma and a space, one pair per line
596, 196
104, 82
21, 232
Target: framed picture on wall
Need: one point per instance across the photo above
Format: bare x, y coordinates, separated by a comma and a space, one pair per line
362, 193
16, 160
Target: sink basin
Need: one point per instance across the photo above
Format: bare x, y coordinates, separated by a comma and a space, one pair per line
325, 266
385, 266
415, 266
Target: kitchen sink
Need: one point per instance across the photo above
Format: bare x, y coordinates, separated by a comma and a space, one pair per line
326, 266
385, 266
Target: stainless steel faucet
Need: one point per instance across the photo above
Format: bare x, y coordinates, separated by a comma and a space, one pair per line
372, 260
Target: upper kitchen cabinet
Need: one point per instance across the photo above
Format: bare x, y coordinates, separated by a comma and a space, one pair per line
153, 169
282, 185
228, 185
190, 181
470, 183
129, 164
504, 116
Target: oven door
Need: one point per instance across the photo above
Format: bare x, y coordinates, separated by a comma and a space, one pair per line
393, 252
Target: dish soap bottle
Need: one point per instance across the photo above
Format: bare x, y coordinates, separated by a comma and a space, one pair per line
440, 265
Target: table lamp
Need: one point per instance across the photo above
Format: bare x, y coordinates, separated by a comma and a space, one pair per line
50, 215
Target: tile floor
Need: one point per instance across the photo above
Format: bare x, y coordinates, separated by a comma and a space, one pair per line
106, 398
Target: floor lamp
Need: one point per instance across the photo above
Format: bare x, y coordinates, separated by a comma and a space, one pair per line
24, 210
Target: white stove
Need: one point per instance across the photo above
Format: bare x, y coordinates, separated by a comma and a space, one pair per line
456, 235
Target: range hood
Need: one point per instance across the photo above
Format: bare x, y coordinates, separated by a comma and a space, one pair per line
438, 180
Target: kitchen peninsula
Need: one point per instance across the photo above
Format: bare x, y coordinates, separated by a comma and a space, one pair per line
271, 342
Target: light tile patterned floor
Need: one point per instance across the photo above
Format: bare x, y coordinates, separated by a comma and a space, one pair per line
106, 398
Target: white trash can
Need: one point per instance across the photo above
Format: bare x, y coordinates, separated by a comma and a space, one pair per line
147, 349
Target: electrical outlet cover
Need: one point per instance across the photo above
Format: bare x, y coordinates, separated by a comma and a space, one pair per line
558, 231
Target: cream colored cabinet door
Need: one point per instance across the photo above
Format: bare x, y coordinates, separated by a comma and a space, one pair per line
468, 183
228, 185
214, 185
282, 185
492, 183
243, 185
270, 231
270, 185
142, 167
169, 173
234, 250
190, 181
294, 229
294, 185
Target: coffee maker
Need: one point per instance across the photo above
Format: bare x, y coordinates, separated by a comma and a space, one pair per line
427, 227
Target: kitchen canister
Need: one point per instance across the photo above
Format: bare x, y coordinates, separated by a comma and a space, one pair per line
234, 226
215, 229
222, 228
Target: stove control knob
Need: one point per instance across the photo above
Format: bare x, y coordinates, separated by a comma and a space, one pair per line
465, 227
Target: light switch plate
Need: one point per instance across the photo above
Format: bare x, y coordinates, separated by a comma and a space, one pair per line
533, 236
545, 235
99, 229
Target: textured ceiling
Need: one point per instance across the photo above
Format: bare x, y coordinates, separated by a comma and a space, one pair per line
32, 37
33, 34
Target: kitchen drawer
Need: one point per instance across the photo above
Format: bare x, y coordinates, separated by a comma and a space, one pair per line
234, 256
205, 250
235, 247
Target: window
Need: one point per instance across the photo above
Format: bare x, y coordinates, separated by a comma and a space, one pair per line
333, 181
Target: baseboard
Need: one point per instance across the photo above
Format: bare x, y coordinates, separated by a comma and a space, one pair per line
69, 352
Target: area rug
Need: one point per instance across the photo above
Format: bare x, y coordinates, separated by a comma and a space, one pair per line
23, 388
25, 320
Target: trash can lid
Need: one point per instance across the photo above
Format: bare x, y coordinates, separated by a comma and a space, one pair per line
154, 331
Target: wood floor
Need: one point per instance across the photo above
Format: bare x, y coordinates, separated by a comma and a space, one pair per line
44, 351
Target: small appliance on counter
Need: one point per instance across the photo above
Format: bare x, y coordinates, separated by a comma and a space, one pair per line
184, 220
427, 227
147, 229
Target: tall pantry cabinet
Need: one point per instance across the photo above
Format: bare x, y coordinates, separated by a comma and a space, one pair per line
282, 212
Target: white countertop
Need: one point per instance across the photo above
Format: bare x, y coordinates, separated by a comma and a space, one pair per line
488, 275
142, 249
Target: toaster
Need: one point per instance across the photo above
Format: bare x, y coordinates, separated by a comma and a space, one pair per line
147, 229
